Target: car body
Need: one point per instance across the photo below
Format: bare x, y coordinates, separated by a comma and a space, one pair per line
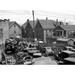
48, 50
38, 54
28, 60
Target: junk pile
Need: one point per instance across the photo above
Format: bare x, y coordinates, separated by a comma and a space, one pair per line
16, 52
20, 51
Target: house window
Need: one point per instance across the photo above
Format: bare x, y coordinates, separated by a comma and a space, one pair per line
14, 32
1, 33
71, 34
47, 31
57, 33
14, 25
50, 30
64, 33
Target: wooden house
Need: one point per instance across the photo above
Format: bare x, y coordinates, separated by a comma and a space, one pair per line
14, 29
4, 30
28, 29
64, 31
69, 31
43, 29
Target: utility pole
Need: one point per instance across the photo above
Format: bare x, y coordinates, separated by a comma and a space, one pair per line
33, 23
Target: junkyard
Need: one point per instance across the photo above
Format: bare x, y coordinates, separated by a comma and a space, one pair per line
22, 52
37, 42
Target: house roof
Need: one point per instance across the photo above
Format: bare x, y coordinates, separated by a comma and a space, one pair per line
58, 28
46, 24
68, 27
12, 23
31, 23
58, 23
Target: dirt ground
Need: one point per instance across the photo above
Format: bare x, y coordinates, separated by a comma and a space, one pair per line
44, 61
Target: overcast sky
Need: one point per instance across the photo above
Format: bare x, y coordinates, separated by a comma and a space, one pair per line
61, 9
22, 15
21, 10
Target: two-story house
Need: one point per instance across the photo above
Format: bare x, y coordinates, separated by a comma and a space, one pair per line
28, 29
64, 30
69, 31
43, 29
4, 30
14, 29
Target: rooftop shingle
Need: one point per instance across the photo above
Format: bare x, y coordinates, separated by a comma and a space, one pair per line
68, 27
46, 24
12, 23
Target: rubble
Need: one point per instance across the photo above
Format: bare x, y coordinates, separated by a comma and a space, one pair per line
22, 52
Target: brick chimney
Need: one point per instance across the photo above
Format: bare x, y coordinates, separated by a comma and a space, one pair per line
46, 18
66, 23
27, 19
56, 20
8, 19
37, 19
60, 23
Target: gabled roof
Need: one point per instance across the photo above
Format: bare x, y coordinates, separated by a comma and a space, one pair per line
68, 27
46, 24
58, 28
59, 23
12, 23
31, 23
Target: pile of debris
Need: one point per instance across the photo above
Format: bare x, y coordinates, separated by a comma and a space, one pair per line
19, 51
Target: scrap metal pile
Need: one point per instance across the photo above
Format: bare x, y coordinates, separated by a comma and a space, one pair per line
20, 51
